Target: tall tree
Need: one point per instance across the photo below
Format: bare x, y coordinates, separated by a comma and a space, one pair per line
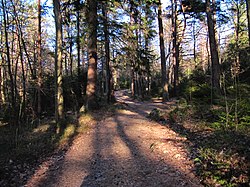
92, 53
248, 19
12, 90
78, 6
176, 46
164, 80
59, 109
107, 50
39, 59
210, 11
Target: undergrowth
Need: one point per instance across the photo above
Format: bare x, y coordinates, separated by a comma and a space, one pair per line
223, 154
24, 147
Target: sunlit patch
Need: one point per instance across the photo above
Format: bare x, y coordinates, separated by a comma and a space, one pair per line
68, 133
127, 112
3, 124
120, 149
86, 118
41, 128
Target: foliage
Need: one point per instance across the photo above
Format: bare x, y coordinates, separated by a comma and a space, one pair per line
156, 115
221, 155
221, 168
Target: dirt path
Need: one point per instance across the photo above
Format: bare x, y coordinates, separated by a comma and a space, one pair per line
126, 149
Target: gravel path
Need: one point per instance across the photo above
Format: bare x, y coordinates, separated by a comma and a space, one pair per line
125, 149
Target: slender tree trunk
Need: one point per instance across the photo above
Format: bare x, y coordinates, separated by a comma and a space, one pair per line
34, 60
194, 40
147, 66
39, 59
1, 72
92, 54
70, 53
236, 67
59, 109
66, 63
23, 102
176, 46
133, 48
248, 19
19, 44
164, 81
107, 51
213, 46
12, 90
1, 83
78, 51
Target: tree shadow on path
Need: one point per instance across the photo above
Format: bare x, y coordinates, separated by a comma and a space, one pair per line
122, 157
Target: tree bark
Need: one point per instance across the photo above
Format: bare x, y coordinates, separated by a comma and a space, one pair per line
23, 102
107, 51
164, 81
12, 90
39, 59
176, 48
59, 109
2, 69
92, 54
70, 53
78, 50
248, 19
213, 46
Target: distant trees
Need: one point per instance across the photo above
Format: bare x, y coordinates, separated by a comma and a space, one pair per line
122, 34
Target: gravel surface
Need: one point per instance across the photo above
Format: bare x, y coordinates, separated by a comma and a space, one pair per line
126, 149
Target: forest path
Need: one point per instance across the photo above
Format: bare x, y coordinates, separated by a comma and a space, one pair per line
125, 149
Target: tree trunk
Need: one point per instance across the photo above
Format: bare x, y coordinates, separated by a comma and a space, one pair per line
164, 81
19, 44
78, 51
2, 101
213, 46
12, 90
39, 59
59, 109
92, 54
107, 51
176, 50
23, 102
70, 53
194, 40
132, 80
248, 19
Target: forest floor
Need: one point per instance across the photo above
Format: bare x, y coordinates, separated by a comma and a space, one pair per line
123, 148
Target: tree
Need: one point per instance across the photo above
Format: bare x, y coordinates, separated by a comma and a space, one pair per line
176, 46
12, 90
91, 16
39, 59
210, 11
78, 6
59, 113
164, 80
248, 18
107, 50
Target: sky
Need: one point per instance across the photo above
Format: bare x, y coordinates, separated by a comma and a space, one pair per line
50, 15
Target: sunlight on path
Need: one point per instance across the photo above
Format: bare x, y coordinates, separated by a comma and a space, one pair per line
126, 149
